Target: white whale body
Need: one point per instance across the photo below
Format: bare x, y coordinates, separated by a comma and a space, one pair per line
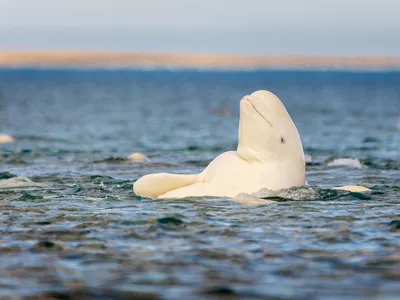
137, 157
6, 138
18, 182
269, 156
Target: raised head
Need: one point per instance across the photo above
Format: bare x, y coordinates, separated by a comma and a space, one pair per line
266, 131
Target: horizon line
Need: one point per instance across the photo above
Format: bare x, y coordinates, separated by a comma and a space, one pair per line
102, 58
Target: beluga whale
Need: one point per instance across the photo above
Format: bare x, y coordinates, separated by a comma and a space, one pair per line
269, 155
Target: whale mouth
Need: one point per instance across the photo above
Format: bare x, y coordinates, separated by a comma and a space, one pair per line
256, 110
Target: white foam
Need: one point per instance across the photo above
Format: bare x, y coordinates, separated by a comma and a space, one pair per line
297, 193
345, 162
308, 158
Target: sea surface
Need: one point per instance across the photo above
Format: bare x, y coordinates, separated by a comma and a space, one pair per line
81, 233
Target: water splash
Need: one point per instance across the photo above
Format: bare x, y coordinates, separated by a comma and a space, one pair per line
304, 193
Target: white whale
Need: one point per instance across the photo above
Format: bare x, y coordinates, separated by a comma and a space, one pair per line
137, 157
6, 138
269, 156
18, 182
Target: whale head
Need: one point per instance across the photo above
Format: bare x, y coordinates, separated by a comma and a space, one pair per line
266, 131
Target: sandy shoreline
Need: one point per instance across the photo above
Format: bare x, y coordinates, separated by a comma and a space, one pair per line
13, 59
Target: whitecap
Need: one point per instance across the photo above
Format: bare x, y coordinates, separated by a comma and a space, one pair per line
345, 162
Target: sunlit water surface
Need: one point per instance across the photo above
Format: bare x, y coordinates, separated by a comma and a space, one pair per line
83, 233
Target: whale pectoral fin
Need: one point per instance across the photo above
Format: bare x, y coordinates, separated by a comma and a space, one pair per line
153, 185
353, 188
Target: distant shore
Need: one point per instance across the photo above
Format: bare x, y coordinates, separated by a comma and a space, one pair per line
82, 59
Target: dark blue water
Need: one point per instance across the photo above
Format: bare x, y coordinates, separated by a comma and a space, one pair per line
83, 233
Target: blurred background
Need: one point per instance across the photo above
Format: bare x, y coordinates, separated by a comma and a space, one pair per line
221, 26
255, 27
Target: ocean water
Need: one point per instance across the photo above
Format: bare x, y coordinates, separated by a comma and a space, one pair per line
82, 233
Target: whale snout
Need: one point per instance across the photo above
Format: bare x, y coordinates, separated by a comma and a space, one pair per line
263, 94
246, 98
246, 102
255, 97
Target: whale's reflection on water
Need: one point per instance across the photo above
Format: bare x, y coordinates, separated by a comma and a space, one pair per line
80, 232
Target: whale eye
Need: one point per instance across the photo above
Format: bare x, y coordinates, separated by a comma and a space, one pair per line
282, 140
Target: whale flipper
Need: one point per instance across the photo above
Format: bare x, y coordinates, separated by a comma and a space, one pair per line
154, 185
353, 188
